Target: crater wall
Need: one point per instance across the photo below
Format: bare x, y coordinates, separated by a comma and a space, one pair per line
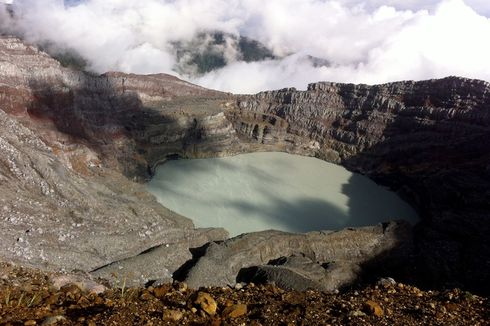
99, 137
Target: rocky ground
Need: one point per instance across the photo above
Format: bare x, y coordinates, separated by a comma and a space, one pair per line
29, 297
77, 148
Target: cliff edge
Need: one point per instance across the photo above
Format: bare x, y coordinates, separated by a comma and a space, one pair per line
77, 147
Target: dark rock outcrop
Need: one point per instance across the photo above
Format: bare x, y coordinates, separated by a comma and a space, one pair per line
299, 273
75, 143
63, 203
221, 263
427, 140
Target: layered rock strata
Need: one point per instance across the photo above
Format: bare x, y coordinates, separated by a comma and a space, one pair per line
76, 143
427, 140
64, 202
312, 260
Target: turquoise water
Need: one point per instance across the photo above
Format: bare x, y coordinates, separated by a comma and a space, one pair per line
261, 191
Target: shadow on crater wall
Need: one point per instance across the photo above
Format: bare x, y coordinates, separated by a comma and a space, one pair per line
106, 114
430, 144
442, 168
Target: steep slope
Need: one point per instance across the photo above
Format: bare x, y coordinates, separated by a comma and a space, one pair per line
428, 140
75, 144
64, 205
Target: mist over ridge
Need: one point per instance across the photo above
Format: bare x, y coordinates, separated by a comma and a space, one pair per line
245, 46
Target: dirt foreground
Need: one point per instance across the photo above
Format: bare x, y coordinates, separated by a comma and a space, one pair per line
29, 297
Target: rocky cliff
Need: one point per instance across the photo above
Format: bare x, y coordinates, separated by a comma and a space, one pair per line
77, 147
427, 140
65, 139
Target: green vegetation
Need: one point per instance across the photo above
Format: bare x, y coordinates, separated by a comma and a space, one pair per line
208, 61
68, 58
211, 51
71, 59
254, 51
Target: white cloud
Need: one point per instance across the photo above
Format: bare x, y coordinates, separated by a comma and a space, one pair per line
365, 41
481, 6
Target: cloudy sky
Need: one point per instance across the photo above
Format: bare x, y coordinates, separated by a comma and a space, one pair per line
371, 41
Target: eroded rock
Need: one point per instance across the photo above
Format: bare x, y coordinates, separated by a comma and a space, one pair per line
74, 144
341, 253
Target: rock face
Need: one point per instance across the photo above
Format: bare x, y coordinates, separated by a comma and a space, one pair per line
76, 145
427, 140
247, 254
63, 204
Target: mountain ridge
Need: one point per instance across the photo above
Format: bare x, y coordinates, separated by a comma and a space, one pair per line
86, 139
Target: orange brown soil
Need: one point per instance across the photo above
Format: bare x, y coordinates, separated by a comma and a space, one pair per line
28, 298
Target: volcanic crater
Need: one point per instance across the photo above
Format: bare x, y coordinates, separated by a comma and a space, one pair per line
79, 147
